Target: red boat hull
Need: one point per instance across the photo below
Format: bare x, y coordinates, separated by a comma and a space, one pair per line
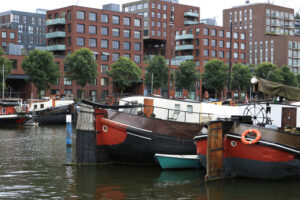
255, 161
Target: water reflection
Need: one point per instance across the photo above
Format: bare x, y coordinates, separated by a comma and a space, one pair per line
32, 167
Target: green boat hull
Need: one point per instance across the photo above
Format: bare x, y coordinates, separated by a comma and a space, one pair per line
178, 162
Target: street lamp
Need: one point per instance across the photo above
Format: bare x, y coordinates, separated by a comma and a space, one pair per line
230, 60
3, 81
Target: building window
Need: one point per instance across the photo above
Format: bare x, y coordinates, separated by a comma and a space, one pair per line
213, 43
126, 45
104, 18
12, 35
126, 21
221, 54
137, 58
137, 22
67, 81
104, 82
137, 34
68, 91
16, 19
205, 42
104, 69
126, 33
235, 45
243, 56
205, 31
116, 19
93, 42
228, 45
243, 46
213, 32
243, 36
80, 15
137, 46
80, 41
228, 34
236, 55
153, 24
104, 44
115, 32
104, 30
235, 35
115, 44
115, 57
221, 43
221, 33
3, 34
93, 29
213, 53
104, 57
93, 16
80, 28
205, 52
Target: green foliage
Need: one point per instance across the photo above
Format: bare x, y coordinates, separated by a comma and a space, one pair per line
215, 75
81, 66
240, 77
288, 77
7, 66
186, 75
298, 79
157, 67
41, 69
269, 72
124, 72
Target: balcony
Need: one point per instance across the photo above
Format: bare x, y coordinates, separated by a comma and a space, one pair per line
184, 58
57, 47
57, 34
184, 47
191, 14
56, 21
184, 37
187, 22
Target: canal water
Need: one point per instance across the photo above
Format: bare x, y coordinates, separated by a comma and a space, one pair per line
32, 166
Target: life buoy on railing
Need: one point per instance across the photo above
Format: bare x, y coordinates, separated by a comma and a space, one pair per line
257, 133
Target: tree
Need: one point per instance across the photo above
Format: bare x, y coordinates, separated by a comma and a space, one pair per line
288, 77
298, 79
215, 75
81, 67
124, 72
187, 76
240, 77
41, 69
6, 63
269, 72
157, 67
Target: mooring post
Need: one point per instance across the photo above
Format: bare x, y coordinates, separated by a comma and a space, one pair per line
69, 130
214, 156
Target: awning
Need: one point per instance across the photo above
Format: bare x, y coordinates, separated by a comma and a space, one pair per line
105, 53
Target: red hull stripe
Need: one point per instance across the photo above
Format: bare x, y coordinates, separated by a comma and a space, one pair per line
235, 148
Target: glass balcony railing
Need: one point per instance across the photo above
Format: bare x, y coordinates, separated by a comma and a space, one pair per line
56, 34
57, 47
55, 21
184, 58
184, 47
184, 37
191, 14
190, 22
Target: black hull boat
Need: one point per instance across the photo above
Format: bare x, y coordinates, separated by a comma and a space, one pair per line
120, 137
56, 115
264, 153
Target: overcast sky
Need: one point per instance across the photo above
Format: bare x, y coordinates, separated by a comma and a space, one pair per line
208, 8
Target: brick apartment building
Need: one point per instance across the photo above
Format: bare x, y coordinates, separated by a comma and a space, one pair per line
272, 33
202, 42
108, 33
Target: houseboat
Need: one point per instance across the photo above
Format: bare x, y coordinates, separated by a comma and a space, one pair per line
13, 112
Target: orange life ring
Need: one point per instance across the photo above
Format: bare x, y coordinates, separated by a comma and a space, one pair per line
257, 133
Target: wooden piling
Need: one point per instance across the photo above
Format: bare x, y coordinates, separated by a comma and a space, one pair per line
214, 156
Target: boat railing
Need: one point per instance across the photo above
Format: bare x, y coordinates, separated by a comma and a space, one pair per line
167, 113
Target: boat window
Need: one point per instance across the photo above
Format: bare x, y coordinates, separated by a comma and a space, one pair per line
42, 105
177, 106
3, 110
35, 107
189, 108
